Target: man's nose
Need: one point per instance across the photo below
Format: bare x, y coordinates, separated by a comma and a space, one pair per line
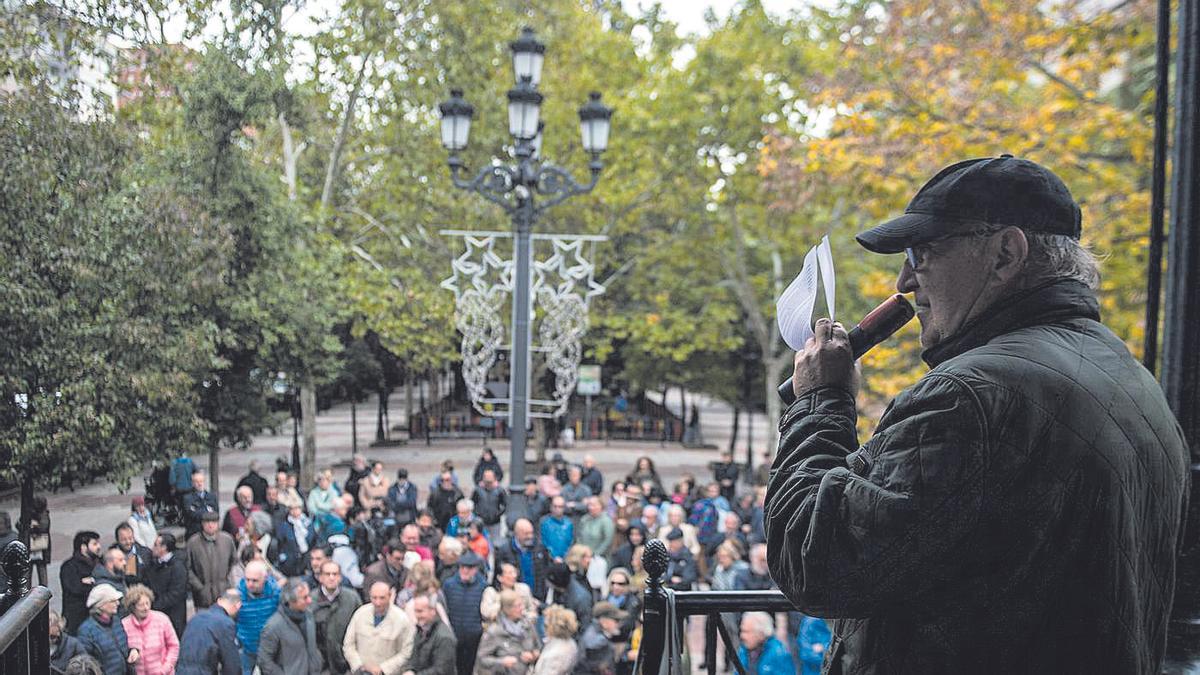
906, 282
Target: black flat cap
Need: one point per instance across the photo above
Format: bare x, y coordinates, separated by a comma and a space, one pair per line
1002, 190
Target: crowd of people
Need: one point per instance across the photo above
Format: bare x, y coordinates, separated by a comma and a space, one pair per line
365, 576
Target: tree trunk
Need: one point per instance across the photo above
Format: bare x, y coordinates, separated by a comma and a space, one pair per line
291, 156
308, 418
737, 413
26, 516
339, 143
380, 435
214, 467
408, 401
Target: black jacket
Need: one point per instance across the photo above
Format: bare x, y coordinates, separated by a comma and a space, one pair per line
257, 485
506, 552
169, 581
75, 591
441, 502
490, 505
1018, 509
195, 506
682, 565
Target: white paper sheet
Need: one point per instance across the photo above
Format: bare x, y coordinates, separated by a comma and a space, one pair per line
825, 257
794, 309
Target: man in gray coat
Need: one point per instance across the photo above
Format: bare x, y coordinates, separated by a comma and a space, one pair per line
434, 644
1019, 508
288, 645
211, 554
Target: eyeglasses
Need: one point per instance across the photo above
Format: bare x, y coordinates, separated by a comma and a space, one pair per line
916, 255
618, 583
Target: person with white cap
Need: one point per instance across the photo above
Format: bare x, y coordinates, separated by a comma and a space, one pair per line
102, 635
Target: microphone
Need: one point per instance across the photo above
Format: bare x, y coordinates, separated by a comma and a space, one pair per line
877, 326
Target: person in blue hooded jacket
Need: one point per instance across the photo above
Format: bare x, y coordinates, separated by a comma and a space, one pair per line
761, 652
811, 644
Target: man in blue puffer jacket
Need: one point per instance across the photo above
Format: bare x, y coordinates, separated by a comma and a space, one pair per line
464, 593
260, 599
761, 652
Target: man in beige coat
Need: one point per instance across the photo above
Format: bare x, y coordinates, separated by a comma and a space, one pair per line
373, 489
379, 639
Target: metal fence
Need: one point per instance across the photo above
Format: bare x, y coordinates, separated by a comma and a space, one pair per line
24, 616
665, 612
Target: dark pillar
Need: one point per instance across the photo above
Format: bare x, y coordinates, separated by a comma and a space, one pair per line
1181, 357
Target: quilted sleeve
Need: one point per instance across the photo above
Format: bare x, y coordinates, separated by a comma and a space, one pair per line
850, 529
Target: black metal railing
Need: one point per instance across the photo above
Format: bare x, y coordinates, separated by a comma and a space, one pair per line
665, 612
24, 616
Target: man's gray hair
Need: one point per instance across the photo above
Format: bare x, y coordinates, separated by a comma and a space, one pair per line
291, 590
1058, 256
761, 622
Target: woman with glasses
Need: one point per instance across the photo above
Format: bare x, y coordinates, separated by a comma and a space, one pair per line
624, 597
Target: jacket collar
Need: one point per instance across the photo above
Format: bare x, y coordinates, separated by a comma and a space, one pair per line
1051, 302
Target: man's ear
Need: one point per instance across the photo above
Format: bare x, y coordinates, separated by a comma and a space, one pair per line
1011, 250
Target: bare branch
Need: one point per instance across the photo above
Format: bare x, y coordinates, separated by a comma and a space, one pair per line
335, 155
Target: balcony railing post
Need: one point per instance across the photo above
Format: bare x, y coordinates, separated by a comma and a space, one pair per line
654, 610
27, 643
14, 560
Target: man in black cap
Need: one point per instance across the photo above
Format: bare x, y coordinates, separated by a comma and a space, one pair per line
681, 570
1019, 508
568, 591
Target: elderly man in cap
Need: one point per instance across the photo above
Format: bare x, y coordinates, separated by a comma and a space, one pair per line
464, 593
211, 554
1019, 508
682, 570
597, 655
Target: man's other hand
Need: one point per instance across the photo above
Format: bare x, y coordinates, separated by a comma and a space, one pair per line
826, 360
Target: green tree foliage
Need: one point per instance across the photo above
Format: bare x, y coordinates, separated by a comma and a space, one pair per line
100, 264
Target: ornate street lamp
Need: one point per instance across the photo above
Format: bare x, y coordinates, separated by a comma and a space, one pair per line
527, 56
525, 188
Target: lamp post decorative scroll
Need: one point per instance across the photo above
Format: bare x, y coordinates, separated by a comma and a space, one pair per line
525, 189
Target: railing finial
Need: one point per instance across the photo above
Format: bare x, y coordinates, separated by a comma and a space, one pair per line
14, 560
655, 561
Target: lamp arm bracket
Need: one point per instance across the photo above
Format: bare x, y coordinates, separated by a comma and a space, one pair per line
495, 183
557, 184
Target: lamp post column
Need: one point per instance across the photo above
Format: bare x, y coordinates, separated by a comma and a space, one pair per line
519, 378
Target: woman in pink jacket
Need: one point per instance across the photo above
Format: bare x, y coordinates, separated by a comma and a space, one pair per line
150, 632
